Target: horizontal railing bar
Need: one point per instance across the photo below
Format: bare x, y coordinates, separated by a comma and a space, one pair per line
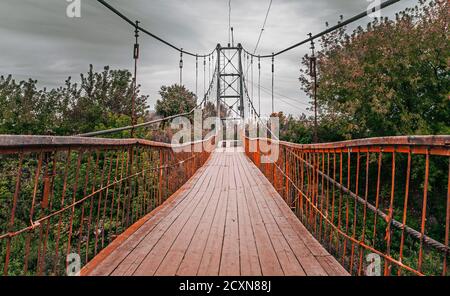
8, 142
443, 141
130, 127
433, 145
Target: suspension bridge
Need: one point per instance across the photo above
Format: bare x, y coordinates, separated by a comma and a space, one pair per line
217, 206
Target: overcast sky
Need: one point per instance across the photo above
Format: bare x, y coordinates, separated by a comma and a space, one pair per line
39, 41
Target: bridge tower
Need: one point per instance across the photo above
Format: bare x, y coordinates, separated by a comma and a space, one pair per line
230, 83
230, 92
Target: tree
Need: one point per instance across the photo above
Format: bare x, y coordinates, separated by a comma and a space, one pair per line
210, 110
294, 130
100, 101
102, 97
388, 79
26, 110
391, 78
175, 99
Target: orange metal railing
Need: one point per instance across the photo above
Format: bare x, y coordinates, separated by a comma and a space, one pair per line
64, 195
386, 197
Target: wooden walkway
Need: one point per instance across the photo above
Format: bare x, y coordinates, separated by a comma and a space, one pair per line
227, 220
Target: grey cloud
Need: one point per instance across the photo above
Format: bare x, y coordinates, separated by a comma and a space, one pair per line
40, 42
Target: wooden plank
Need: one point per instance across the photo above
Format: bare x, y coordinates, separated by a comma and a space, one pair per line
137, 254
249, 258
310, 264
232, 181
310, 241
192, 258
297, 245
331, 266
286, 256
108, 263
157, 253
229, 262
210, 262
199, 224
270, 265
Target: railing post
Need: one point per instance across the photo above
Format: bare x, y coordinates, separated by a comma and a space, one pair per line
258, 155
160, 179
286, 159
274, 176
301, 185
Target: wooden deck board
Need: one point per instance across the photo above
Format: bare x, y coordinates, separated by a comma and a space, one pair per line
138, 254
206, 208
296, 239
289, 263
250, 264
193, 255
227, 220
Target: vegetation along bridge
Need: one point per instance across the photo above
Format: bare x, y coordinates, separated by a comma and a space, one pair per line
125, 205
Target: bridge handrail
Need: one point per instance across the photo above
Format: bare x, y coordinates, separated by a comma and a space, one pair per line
66, 195
13, 142
302, 171
440, 144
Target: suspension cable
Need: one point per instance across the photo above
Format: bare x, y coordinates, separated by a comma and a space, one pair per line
252, 78
331, 29
204, 76
258, 116
250, 101
283, 100
279, 95
149, 123
229, 21
209, 68
212, 64
313, 73
196, 76
126, 19
259, 85
263, 27
273, 80
135, 57
181, 67
246, 63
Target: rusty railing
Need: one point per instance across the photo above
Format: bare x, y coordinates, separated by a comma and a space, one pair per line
65, 195
376, 202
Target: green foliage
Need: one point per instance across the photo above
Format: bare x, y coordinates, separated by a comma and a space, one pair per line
294, 130
175, 99
391, 78
210, 110
101, 100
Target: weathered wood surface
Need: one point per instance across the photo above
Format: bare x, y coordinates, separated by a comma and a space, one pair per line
227, 220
